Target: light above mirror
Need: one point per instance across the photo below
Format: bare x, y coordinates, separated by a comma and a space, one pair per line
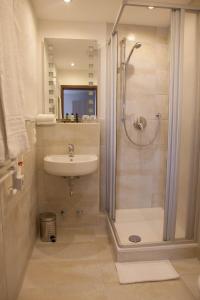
67, 1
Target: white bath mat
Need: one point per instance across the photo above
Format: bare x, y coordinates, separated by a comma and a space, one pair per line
134, 272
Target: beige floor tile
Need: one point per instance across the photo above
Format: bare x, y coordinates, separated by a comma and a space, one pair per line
67, 251
191, 281
185, 266
74, 276
171, 290
101, 231
80, 266
76, 235
105, 251
108, 272
58, 294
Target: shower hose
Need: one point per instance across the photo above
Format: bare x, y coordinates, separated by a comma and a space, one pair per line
158, 116
138, 144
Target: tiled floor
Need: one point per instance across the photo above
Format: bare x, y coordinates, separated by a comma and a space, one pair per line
146, 222
80, 266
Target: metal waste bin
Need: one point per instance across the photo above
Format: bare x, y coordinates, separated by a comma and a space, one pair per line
48, 227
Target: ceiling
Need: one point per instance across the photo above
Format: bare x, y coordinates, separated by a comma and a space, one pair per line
78, 10
143, 16
65, 51
99, 11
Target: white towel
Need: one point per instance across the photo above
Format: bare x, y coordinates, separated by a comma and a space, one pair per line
46, 123
11, 92
143, 271
45, 119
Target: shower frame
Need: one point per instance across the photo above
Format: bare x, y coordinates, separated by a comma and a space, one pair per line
176, 67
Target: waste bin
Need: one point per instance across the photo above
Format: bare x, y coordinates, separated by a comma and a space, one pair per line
48, 227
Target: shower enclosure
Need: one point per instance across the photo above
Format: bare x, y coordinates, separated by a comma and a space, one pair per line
153, 125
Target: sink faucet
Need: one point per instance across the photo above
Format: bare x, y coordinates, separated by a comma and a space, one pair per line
71, 150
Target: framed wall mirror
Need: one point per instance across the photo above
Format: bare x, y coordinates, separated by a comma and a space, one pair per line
70, 77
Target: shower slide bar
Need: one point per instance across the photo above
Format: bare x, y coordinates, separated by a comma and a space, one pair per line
147, 4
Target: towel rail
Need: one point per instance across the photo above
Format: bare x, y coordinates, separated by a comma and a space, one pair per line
6, 167
5, 163
9, 173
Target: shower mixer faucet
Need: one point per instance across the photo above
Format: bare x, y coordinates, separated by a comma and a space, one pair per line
140, 123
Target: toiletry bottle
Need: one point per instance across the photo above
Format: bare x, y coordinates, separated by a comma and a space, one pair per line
72, 117
77, 119
19, 168
67, 117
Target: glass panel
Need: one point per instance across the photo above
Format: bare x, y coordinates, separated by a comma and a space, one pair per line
142, 126
189, 124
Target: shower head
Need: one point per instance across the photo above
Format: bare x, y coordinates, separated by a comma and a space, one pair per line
136, 46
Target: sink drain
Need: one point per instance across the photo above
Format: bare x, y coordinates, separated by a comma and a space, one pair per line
135, 238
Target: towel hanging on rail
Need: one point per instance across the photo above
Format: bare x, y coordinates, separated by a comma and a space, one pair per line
11, 92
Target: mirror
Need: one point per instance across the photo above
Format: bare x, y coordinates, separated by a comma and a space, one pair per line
70, 77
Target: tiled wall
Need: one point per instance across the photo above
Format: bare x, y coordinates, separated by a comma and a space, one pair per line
53, 191
141, 173
17, 225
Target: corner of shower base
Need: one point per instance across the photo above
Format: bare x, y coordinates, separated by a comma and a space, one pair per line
152, 252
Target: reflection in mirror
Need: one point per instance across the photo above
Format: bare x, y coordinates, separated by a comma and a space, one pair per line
70, 77
81, 100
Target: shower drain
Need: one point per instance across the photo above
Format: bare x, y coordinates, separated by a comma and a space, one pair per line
135, 238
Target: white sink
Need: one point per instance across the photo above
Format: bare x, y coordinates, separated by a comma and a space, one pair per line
64, 165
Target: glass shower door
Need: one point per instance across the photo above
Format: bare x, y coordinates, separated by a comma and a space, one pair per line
152, 187
142, 131
183, 159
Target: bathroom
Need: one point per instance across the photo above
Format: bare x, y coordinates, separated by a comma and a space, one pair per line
99, 134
